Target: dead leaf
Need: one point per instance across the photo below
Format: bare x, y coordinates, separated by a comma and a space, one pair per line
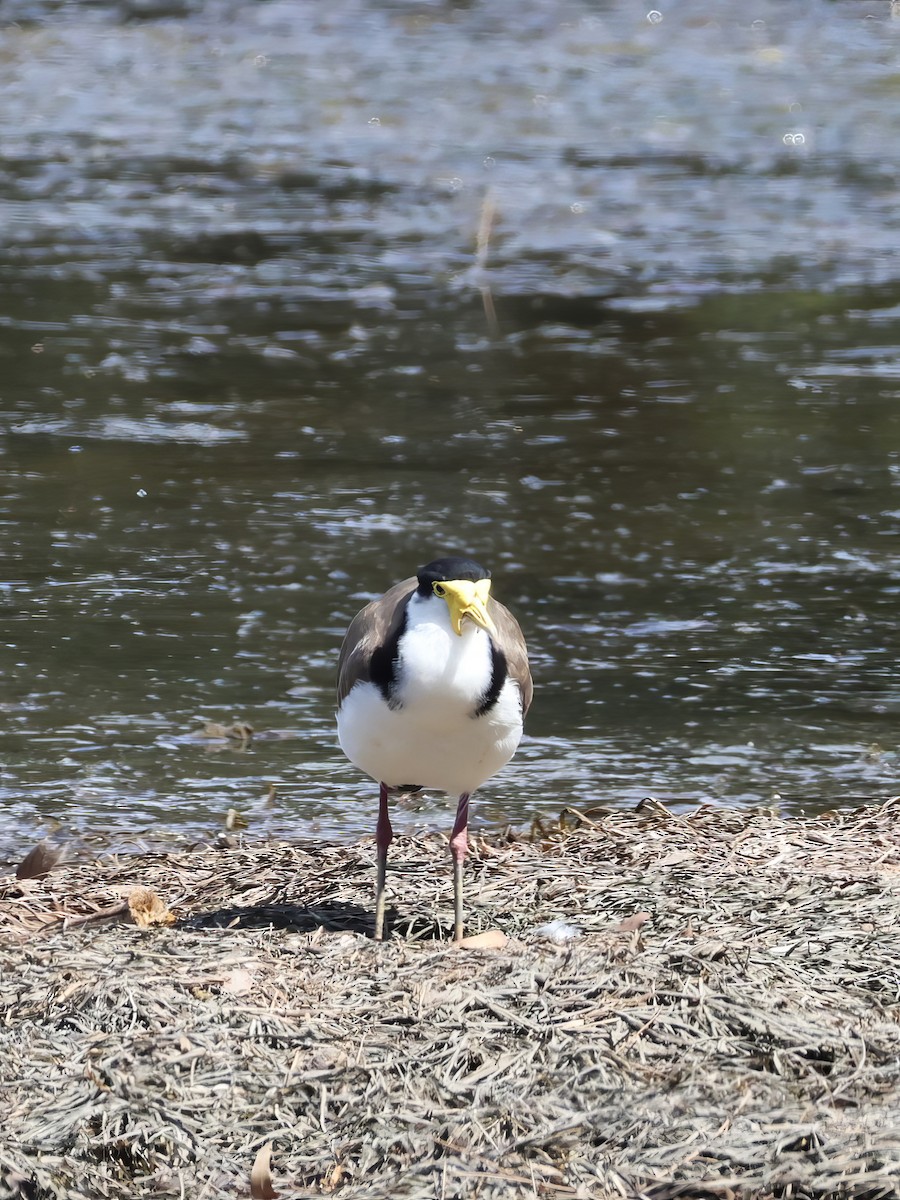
675, 857
147, 909
630, 924
240, 731
261, 1177
40, 861
239, 982
333, 1179
69, 990
491, 939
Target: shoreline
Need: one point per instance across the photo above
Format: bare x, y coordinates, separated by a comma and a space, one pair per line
702, 1005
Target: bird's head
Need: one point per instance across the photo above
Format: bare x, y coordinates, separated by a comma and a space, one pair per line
465, 587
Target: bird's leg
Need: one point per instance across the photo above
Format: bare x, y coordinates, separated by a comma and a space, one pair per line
459, 844
384, 835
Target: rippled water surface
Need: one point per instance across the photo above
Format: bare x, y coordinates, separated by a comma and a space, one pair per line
296, 297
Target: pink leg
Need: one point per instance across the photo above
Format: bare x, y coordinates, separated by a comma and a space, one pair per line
459, 844
384, 835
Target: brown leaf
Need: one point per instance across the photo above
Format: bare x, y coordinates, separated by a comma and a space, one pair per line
261, 1177
40, 861
333, 1179
147, 909
491, 939
241, 731
632, 923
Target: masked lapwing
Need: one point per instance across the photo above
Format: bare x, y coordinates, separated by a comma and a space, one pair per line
433, 687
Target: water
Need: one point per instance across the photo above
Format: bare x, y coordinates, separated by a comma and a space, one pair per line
249, 376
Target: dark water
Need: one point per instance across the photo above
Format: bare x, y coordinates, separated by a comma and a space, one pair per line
249, 376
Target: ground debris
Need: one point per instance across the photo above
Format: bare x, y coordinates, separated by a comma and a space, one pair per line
723, 1022
147, 909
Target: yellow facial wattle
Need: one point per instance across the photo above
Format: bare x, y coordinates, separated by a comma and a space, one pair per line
466, 598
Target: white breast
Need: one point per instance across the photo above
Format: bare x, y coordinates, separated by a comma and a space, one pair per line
431, 736
437, 668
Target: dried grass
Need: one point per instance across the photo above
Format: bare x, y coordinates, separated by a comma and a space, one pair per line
725, 1023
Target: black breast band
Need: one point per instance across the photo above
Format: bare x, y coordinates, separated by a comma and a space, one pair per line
499, 672
383, 664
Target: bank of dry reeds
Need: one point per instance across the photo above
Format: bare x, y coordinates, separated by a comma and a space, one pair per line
698, 1006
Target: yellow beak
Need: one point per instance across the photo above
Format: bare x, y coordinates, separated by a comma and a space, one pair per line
467, 598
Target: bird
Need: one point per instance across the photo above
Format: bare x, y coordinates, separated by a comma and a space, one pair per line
433, 687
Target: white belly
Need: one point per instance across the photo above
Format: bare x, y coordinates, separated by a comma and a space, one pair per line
429, 743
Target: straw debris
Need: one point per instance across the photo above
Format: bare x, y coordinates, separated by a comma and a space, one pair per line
694, 1006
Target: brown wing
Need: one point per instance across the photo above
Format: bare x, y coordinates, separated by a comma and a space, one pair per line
511, 641
369, 629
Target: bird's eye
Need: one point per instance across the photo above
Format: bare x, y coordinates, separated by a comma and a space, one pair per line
439, 589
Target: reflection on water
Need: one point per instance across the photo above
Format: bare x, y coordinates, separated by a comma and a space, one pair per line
247, 380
